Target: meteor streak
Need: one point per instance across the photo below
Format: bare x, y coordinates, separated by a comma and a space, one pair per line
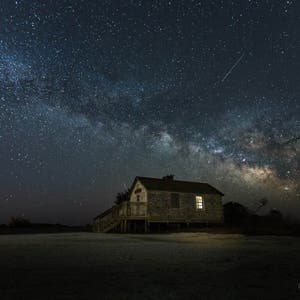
234, 65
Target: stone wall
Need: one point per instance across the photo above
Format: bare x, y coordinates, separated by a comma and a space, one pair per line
159, 208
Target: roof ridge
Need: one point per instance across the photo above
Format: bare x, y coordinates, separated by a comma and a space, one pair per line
172, 180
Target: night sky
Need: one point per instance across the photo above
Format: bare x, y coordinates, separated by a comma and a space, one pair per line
94, 93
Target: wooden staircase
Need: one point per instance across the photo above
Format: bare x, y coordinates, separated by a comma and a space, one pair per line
107, 221
110, 226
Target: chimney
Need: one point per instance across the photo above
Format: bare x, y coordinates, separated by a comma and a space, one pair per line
168, 177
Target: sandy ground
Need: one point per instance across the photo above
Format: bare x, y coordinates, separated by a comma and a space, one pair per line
170, 266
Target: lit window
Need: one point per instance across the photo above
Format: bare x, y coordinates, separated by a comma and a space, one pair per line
199, 202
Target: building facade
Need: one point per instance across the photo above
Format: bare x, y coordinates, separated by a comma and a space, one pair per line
156, 203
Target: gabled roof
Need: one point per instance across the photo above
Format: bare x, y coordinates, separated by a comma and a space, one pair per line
159, 184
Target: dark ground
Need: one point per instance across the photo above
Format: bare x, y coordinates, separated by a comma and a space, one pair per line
166, 266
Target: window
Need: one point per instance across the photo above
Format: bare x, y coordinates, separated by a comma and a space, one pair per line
174, 200
138, 198
137, 191
199, 202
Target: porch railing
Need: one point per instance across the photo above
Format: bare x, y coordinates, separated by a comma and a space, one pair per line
132, 209
114, 215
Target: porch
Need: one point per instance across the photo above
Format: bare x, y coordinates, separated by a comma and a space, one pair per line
122, 218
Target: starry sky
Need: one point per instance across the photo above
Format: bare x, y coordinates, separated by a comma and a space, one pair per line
94, 93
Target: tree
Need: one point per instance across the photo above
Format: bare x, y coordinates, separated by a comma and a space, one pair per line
235, 213
275, 215
122, 196
19, 222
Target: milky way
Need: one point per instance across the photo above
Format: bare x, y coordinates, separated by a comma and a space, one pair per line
93, 93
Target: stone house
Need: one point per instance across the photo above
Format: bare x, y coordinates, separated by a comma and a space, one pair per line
156, 203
